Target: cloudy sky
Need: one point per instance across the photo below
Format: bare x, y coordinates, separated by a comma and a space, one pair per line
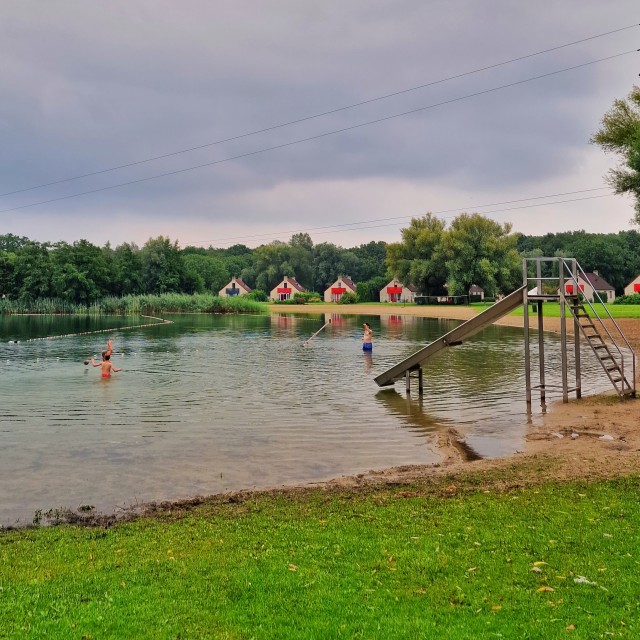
88, 86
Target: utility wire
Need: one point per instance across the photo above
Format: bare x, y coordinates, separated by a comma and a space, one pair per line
319, 136
340, 227
530, 206
336, 228
319, 115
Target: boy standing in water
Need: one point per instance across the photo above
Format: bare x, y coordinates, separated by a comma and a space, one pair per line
106, 364
367, 344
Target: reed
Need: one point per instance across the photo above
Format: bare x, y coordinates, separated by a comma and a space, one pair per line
135, 305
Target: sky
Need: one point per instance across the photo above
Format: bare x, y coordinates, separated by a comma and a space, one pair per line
88, 86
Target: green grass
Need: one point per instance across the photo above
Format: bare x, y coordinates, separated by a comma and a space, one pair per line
552, 310
409, 562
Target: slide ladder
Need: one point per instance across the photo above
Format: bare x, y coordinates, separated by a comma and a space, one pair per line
604, 346
454, 337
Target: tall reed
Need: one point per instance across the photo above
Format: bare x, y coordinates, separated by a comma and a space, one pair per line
135, 305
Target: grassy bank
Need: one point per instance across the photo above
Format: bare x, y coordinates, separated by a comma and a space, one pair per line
443, 560
133, 305
552, 310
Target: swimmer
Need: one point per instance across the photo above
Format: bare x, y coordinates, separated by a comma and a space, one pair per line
106, 364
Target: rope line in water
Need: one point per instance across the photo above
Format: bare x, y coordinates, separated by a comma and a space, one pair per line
87, 333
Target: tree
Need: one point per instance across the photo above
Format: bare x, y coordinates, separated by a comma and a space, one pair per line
483, 252
127, 270
162, 267
211, 272
32, 272
80, 274
419, 259
620, 134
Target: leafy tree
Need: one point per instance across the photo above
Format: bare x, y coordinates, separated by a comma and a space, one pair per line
11, 243
162, 267
483, 252
127, 270
80, 274
370, 261
620, 134
32, 273
369, 290
419, 259
210, 272
7, 268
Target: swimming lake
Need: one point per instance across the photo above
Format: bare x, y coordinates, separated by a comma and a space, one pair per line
213, 403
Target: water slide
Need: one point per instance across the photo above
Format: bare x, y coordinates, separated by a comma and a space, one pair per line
454, 337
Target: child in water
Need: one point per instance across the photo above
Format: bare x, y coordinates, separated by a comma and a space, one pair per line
106, 364
367, 345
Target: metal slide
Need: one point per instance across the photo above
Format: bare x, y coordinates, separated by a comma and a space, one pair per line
454, 337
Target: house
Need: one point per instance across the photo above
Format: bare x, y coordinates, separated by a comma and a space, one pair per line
286, 289
476, 293
589, 285
395, 291
633, 287
341, 286
234, 288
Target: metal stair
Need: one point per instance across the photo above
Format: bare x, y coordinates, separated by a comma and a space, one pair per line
607, 351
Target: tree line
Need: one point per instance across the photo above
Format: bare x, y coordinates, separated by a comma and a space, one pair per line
436, 258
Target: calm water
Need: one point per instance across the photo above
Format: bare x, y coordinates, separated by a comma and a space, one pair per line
215, 403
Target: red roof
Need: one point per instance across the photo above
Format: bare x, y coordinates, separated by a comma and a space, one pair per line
294, 284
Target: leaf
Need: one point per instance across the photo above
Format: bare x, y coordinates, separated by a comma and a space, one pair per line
539, 563
545, 588
293, 567
571, 627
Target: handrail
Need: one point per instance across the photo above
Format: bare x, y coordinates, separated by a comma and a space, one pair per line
604, 306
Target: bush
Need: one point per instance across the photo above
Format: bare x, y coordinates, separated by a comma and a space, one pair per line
306, 297
258, 295
634, 298
348, 298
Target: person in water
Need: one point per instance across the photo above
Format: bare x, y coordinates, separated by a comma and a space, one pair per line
106, 364
367, 344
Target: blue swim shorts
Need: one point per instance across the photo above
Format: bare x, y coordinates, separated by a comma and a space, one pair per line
367, 346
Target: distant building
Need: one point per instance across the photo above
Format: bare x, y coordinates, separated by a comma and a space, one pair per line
476, 293
590, 286
286, 289
234, 288
395, 291
341, 286
633, 286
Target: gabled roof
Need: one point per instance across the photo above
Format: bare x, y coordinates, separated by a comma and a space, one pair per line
474, 288
295, 284
412, 288
348, 281
241, 283
598, 283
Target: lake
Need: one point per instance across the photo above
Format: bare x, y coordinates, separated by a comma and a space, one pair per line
213, 403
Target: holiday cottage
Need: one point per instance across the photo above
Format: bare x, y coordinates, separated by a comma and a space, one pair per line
395, 291
234, 288
339, 288
286, 289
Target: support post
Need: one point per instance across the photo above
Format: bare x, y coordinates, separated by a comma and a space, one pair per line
576, 339
541, 351
563, 336
407, 378
540, 332
527, 351
420, 382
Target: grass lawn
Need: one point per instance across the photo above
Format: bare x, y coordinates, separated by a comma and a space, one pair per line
424, 561
552, 310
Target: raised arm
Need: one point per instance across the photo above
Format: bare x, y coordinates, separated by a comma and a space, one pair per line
94, 363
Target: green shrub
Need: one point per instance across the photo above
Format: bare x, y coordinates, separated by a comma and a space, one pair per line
633, 298
348, 298
258, 295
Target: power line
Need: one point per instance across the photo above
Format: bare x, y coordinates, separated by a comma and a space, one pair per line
336, 228
340, 227
321, 135
319, 115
